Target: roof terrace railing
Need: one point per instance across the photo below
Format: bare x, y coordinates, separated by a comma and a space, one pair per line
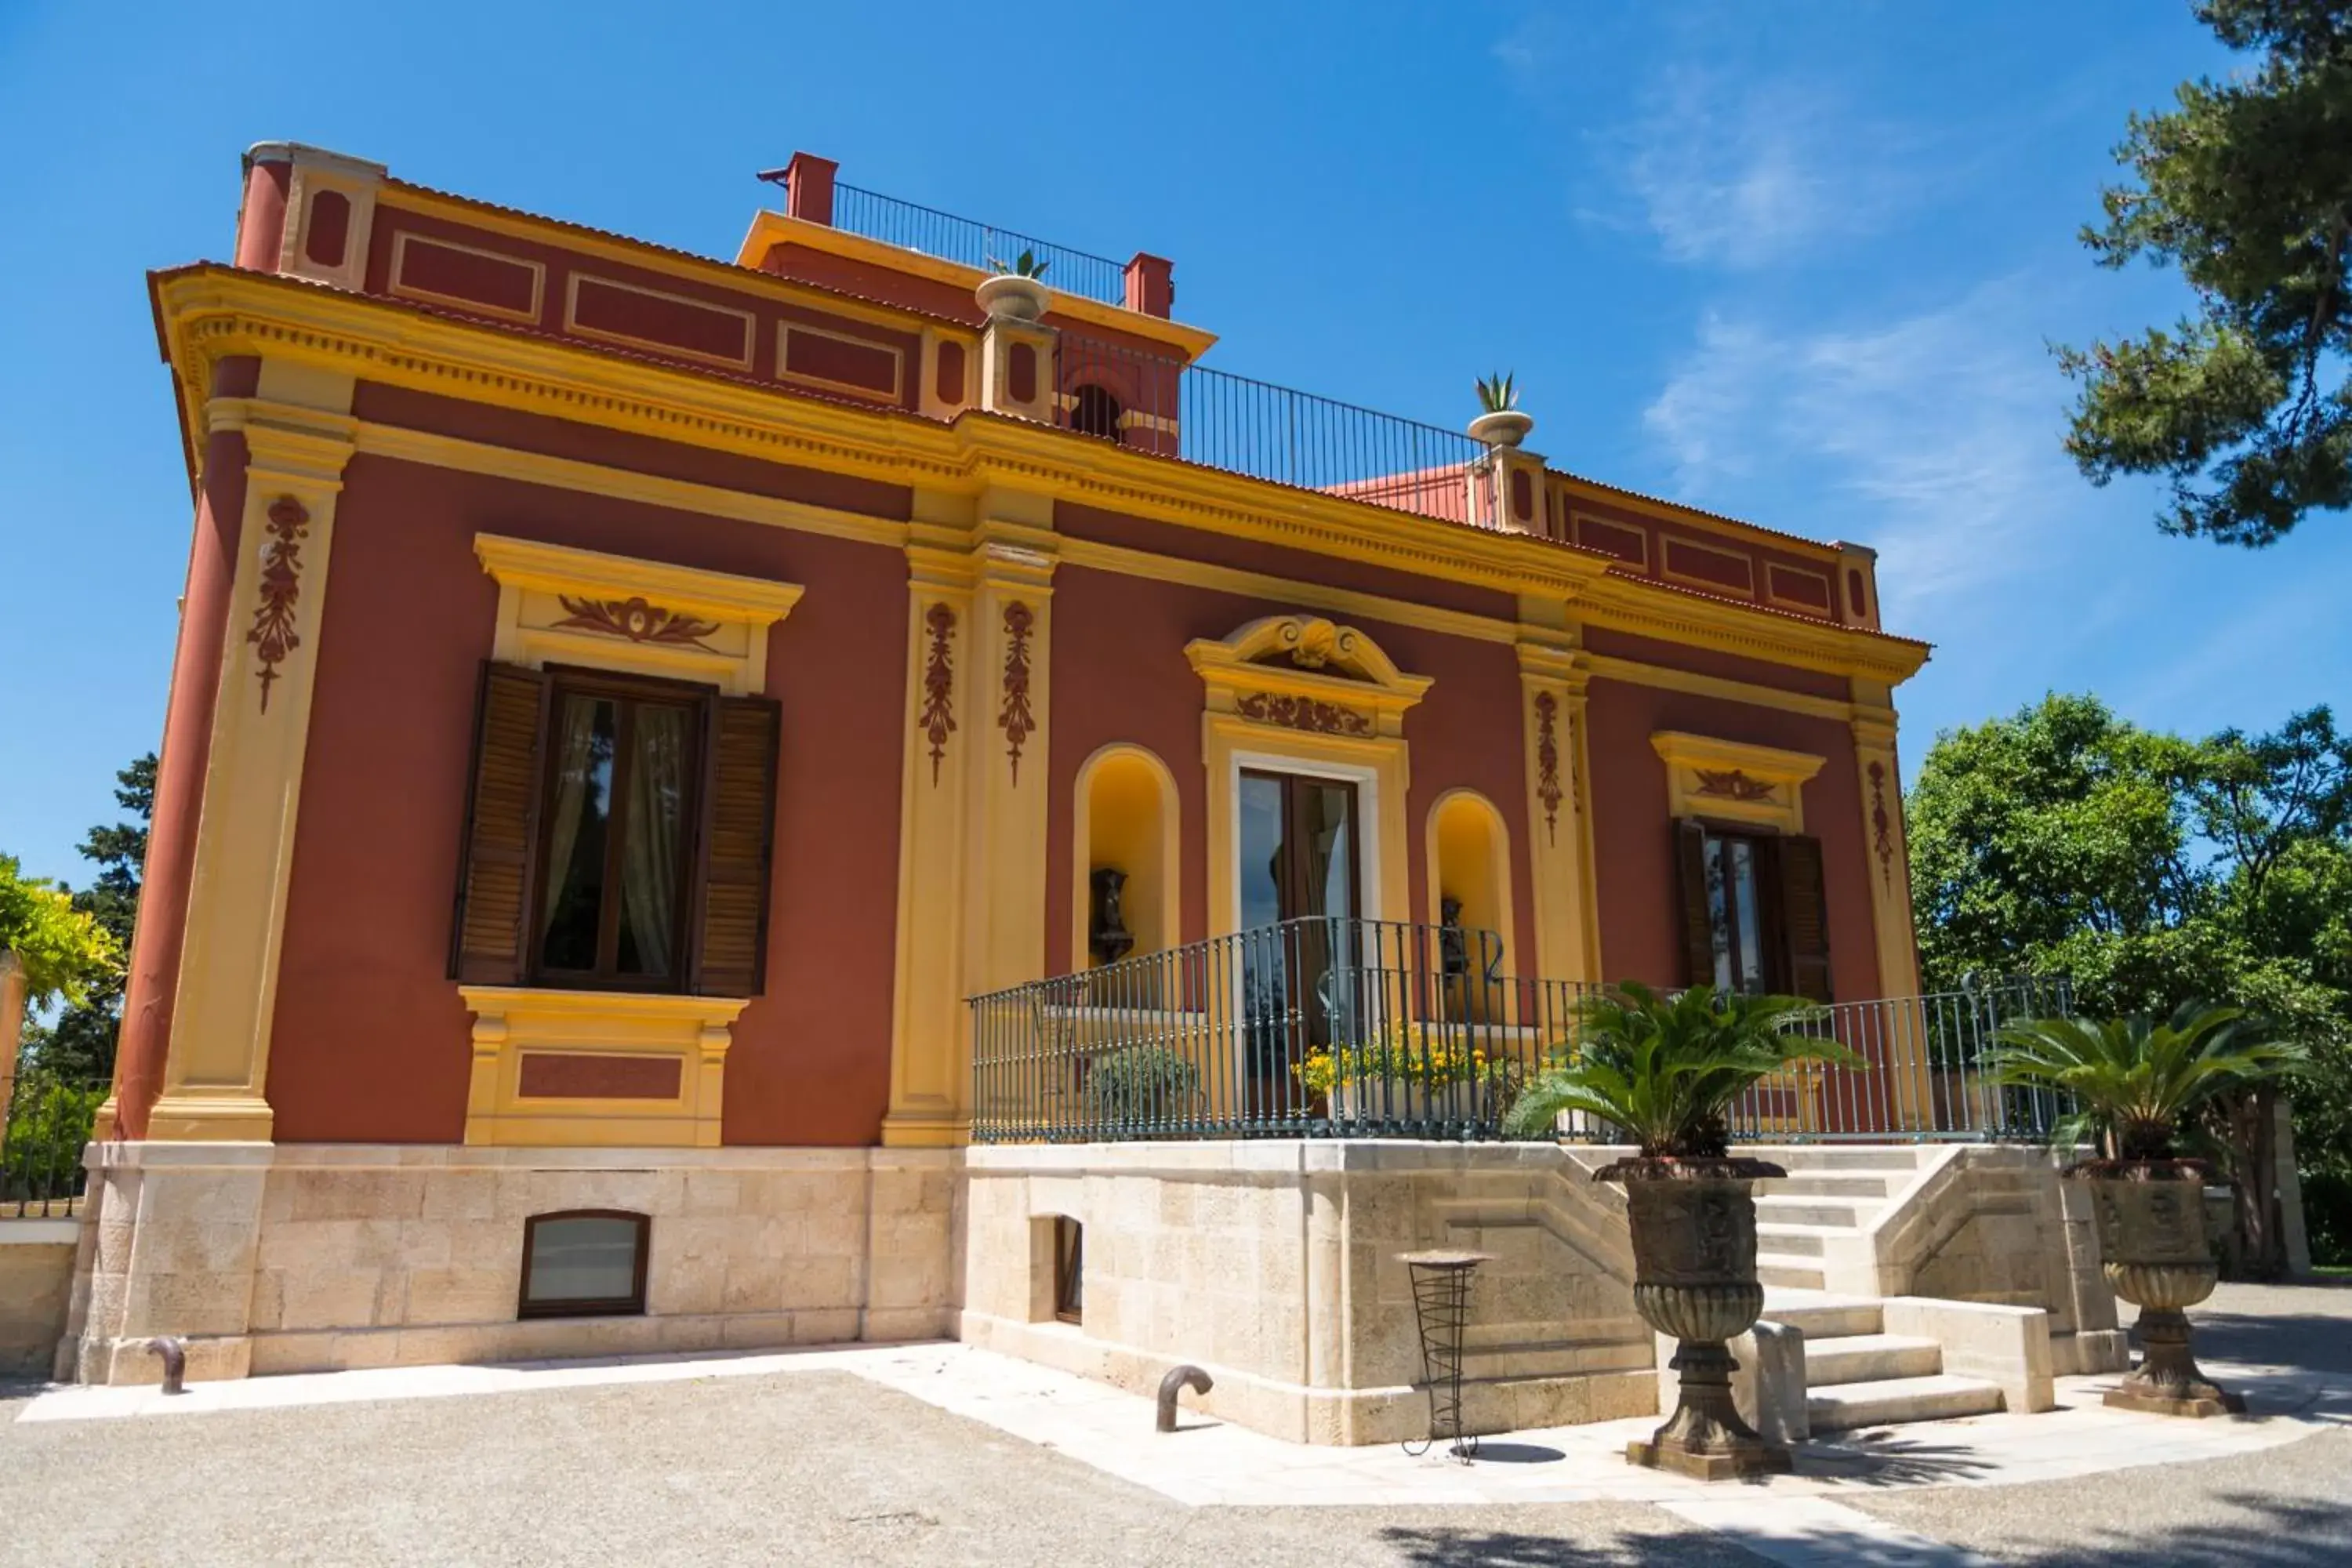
913, 227
1163, 406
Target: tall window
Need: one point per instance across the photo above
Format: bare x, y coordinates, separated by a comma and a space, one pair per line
623, 762
1754, 915
617, 834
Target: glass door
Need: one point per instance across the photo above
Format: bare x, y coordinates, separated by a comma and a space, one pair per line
1299, 897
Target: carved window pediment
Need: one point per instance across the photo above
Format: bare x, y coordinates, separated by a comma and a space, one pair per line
1308, 674
1733, 781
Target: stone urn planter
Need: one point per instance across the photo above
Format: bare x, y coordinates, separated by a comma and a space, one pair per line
1694, 1225
2151, 1220
1505, 427
1009, 296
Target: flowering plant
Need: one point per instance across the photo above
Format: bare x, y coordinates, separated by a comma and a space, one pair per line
1404, 1053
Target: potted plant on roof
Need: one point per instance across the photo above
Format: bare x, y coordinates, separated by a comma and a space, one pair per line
1015, 290
1665, 1071
1502, 424
2137, 1086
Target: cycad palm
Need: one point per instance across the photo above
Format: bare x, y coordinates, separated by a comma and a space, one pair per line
1664, 1069
2135, 1082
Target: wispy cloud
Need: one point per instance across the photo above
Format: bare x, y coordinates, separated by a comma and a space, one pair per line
1747, 174
1931, 436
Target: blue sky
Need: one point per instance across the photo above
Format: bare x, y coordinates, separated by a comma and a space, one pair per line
1797, 262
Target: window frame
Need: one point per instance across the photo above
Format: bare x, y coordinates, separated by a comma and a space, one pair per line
1764, 860
631, 1305
568, 680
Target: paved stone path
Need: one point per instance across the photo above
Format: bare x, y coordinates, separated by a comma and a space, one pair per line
939, 1454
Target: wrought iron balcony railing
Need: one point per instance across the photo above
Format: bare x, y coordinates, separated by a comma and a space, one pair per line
1331, 1028
913, 227
49, 1119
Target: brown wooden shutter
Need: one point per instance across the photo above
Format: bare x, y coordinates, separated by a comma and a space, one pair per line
739, 812
1699, 924
488, 945
1804, 917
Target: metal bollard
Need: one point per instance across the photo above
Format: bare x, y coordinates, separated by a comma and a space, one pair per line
175, 1352
1179, 1378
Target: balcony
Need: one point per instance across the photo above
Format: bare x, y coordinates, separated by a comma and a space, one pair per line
1328, 1027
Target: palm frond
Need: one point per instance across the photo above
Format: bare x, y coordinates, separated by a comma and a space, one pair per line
2138, 1081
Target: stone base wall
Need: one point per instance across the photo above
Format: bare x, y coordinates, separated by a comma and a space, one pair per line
1995, 1223
273, 1258
1275, 1266
37, 1259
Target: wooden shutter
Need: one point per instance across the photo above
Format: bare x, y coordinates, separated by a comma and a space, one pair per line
1697, 923
1804, 917
488, 945
738, 815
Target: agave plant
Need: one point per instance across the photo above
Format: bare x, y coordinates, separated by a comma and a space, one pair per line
1498, 393
1025, 265
1666, 1069
2135, 1084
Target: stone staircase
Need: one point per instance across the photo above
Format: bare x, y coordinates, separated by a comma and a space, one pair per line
1857, 1375
1830, 1194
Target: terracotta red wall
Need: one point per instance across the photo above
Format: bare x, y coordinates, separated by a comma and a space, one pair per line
1633, 841
371, 1041
1119, 674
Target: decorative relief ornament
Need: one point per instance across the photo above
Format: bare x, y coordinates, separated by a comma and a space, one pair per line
1882, 826
1548, 762
1303, 713
937, 718
1730, 783
634, 619
1313, 643
1015, 718
272, 632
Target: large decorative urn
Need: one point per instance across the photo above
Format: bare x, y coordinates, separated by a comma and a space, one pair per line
1693, 1224
2151, 1219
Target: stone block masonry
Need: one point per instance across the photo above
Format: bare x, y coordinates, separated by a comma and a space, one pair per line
325, 1256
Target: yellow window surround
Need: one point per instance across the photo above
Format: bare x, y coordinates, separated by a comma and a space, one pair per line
562, 606
1732, 782
597, 1068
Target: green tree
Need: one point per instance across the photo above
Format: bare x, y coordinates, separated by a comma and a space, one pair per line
80, 1044
64, 950
2156, 871
2246, 185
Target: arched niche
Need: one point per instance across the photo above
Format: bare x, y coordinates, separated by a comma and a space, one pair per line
1469, 850
1125, 815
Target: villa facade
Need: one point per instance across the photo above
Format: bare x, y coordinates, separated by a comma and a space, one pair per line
627, 703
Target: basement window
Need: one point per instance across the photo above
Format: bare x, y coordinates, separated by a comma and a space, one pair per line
584, 1263
1069, 1270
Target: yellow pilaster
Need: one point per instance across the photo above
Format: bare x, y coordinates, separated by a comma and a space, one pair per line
1874, 728
972, 883
298, 435
1553, 676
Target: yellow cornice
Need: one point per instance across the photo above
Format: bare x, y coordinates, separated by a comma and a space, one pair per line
208, 313
773, 229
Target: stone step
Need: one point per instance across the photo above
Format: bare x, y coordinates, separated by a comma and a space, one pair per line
1808, 1158
1795, 1240
1799, 1273
1856, 1185
1774, 1208
1869, 1358
1938, 1398
1821, 1316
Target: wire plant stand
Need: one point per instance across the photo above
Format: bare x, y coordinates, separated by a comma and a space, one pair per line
1441, 1307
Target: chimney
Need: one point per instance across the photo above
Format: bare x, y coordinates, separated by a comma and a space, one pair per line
808, 189
1151, 284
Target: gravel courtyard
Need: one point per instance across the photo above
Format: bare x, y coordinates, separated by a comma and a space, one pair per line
828, 1467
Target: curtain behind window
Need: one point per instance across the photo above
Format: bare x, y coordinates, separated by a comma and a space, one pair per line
654, 836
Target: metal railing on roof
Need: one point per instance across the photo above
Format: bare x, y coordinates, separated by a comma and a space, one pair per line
913, 227
1161, 405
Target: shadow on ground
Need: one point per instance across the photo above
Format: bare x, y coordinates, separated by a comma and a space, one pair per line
1443, 1546
2268, 1533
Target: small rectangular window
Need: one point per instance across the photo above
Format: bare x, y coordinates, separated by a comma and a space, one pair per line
1069, 1270
584, 1263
